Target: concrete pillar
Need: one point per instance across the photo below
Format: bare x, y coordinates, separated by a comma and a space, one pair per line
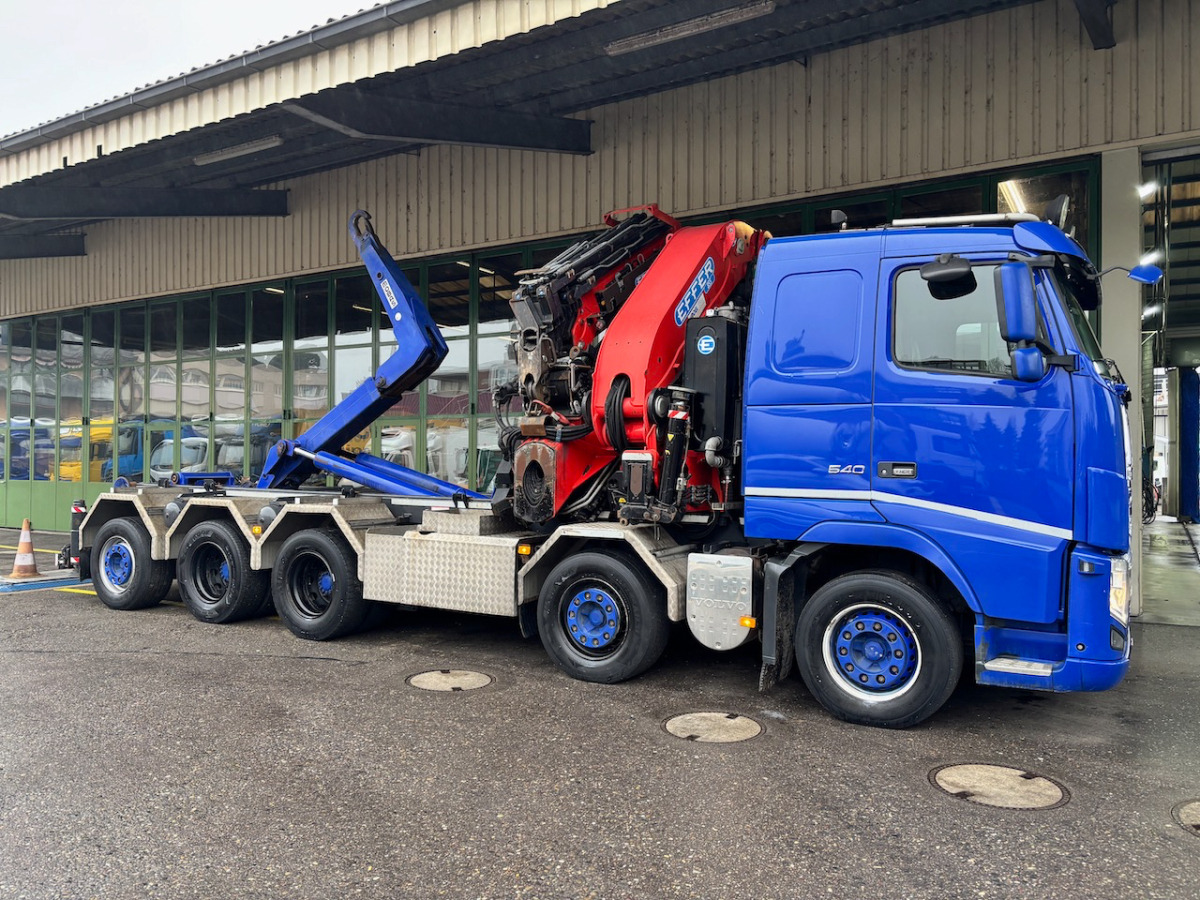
1121, 319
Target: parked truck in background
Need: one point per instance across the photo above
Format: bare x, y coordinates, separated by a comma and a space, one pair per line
882, 454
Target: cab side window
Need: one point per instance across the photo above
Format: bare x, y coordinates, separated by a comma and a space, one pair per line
960, 334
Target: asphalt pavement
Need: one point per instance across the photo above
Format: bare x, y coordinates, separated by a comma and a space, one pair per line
147, 755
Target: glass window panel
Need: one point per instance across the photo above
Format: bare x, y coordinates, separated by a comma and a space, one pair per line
102, 351
197, 325
5, 465
99, 452
386, 334
497, 279
310, 323
161, 391
133, 335
266, 385
70, 377
164, 331
263, 436
448, 391
353, 310
1034, 193
447, 445
779, 224
131, 393
43, 453
231, 322
352, 366
496, 366
488, 456
398, 444
128, 451
449, 297
543, 255
70, 453
195, 380
45, 371
21, 386
229, 388
957, 335
961, 200
310, 383
266, 316
4, 368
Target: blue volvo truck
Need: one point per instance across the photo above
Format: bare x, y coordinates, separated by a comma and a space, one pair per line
886, 456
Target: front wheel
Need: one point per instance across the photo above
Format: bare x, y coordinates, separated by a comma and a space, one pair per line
876, 648
123, 574
315, 586
601, 618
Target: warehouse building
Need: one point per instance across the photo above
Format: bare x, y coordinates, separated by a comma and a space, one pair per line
178, 289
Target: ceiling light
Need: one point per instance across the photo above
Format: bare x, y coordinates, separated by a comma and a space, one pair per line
1145, 191
1151, 311
690, 28
1013, 198
273, 290
238, 150
1151, 258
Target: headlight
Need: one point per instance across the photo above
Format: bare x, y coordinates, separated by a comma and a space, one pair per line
1118, 590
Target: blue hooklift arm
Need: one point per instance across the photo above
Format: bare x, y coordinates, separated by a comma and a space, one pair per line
420, 349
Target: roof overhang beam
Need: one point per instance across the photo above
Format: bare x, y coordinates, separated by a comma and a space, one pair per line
54, 202
40, 246
1098, 22
363, 116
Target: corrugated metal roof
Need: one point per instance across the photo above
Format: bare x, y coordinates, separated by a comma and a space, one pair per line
321, 37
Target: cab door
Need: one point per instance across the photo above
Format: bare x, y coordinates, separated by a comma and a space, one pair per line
963, 452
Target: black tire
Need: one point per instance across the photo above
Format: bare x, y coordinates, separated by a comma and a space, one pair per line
876, 648
123, 574
627, 627
215, 579
315, 586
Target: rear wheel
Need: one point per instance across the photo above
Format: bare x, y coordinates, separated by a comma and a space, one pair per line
215, 578
123, 574
315, 586
601, 618
876, 648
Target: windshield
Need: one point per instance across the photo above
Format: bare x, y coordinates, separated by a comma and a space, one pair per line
1080, 324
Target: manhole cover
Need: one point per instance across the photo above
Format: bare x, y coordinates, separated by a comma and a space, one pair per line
1187, 814
450, 680
1000, 786
713, 727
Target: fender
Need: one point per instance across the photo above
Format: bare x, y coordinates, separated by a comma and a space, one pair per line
883, 534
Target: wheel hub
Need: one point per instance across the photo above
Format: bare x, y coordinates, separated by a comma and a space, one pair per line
874, 650
118, 564
593, 619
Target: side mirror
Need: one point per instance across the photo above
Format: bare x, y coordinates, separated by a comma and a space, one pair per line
1015, 299
1028, 364
1146, 274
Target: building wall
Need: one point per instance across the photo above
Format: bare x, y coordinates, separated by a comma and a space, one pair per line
1018, 85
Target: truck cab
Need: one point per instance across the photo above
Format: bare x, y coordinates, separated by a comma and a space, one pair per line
890, 415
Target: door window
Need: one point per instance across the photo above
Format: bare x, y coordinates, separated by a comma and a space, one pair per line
960, 334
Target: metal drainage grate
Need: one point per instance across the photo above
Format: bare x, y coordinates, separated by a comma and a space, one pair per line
1187, 814
448, 680
713, 727
1002, 787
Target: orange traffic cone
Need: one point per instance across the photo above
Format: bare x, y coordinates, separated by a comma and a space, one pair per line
25, 566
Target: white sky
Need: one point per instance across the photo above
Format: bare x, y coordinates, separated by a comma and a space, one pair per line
59, 56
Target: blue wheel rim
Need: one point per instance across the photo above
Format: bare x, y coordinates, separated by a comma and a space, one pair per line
872, 652
118, 565
594, 621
